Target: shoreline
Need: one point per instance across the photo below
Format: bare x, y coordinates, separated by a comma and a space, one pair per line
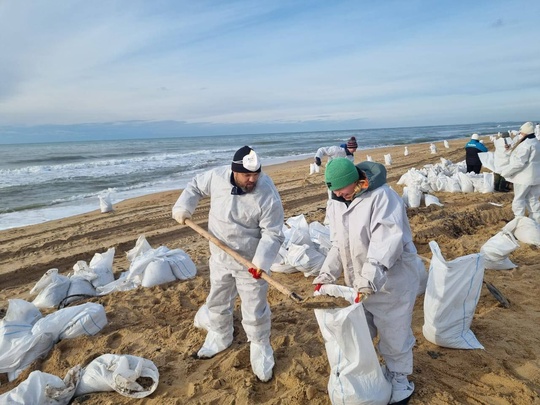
48, 213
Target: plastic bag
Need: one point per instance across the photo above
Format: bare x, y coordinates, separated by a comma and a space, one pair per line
452, 292
105, 203
497, 249
44, 389
120, 373
525, 230
356, 377
54, 292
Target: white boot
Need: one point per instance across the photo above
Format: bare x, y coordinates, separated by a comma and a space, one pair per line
262, 360
213, 344
402, 388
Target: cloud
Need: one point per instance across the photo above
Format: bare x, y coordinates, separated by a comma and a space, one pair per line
243, 62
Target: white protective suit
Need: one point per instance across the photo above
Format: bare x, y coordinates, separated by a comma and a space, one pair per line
372, 243
334, 152
523, 169
251, 224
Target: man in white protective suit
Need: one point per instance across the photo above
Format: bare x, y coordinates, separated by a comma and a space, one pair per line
372, 245
523, 169
345, 150
246, 214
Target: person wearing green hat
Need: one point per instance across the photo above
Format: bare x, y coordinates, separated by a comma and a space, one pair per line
372, 246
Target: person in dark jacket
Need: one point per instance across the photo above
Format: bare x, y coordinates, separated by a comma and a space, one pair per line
472, 149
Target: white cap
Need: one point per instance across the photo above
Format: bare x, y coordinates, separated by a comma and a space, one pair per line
475, 137
527, 128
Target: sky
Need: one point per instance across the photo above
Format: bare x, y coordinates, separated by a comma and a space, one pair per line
83, 68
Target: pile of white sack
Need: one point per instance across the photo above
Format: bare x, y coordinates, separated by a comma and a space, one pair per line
26, 335
445, 176
130, 376
148, 267
304, 249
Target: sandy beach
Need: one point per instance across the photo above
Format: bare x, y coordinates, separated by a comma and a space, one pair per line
157, 323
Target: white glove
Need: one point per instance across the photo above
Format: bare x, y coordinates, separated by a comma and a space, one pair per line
180, 216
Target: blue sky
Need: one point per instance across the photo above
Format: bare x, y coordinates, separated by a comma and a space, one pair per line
265, 66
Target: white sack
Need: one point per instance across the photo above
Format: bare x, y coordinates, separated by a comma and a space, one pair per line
448, 184
433, 149
81, 269
306, 259
368, 158
414, 197
406, 151
452, 292
313, 168
86, 319
54, 292
489, 182
281, 264
497, 249
157, 272
141, 246
299, 233
43, 389
44, 281
18, 353
21, 311
79, 288
525, 230
181, 264
405, 196
102, 265
356, 376
465, 183
22, 352
430, 199
111, 372
388, 160
446, 144
121, 284
105, 203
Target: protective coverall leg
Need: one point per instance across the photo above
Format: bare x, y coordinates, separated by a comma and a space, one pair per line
526, 198
256, 321
389, 314
220, 302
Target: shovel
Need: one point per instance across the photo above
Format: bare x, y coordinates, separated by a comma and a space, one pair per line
492, 289
321, 301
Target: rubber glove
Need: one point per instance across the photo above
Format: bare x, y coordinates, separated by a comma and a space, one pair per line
256, 273
318, 161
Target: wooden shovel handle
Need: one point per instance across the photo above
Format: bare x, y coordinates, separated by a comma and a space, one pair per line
280, 287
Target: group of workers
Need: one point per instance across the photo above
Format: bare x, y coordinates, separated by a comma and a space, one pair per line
517, 167
372, 246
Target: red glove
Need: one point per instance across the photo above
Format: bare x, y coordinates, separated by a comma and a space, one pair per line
318, 287
256, 273
358, 298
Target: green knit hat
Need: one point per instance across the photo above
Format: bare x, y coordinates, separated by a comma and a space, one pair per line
339, 173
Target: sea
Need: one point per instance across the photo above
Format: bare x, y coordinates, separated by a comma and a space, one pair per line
48, 181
